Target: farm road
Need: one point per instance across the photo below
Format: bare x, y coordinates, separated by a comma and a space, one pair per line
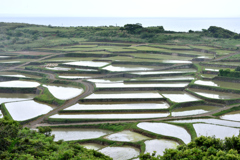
89, 88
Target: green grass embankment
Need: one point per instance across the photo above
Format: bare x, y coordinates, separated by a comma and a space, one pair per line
48, 98
221, 101
227, 111
186, 104
213, 88
5, 111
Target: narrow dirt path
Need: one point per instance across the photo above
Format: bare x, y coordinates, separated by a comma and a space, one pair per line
89, 88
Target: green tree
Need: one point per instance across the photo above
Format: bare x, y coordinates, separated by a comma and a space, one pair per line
8, 132
204, 148
45, 130
133, 28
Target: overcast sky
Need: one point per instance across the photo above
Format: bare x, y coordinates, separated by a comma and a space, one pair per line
121, 8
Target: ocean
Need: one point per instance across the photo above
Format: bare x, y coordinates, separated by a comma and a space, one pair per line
173, 24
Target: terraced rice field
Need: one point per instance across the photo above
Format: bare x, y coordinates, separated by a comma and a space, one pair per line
102, 93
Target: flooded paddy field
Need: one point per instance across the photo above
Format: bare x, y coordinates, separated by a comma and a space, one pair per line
169, 78
107, 80
18, 74
87, 63
109, 116
64, 92
77, 76
13, 61
24, 110
124, 95
167, 130
141, 85
215, 83
179, 96
127, 136
208, 75
118, 106
2, 57
212, 69
12, 97
159, 145
226, 63
19, 84
58, 68
193, 110
210, 121
69, 134
67, 59
165, 72
233, 116
158, 56
118, 153
93, 146
125, 68
214, 130
215, 94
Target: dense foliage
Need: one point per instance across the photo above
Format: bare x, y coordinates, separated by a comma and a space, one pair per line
22, 143
219, 32
205, 148
230, 73
19, 36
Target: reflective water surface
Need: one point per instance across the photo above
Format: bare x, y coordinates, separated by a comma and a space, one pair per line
120, 153
93, 146
179, 96
87, 63
234, 116
64, 92
193, 110
10, 97
123, 95
214, 130
19, 84
24, 110
211, 121
122, 106
126, 135
110, 116
159, 145
140, 85
68, 134
167, 130
215, 94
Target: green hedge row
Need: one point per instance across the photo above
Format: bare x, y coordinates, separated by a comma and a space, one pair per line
229, 73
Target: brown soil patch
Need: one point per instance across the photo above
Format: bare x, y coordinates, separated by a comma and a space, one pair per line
33, 53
